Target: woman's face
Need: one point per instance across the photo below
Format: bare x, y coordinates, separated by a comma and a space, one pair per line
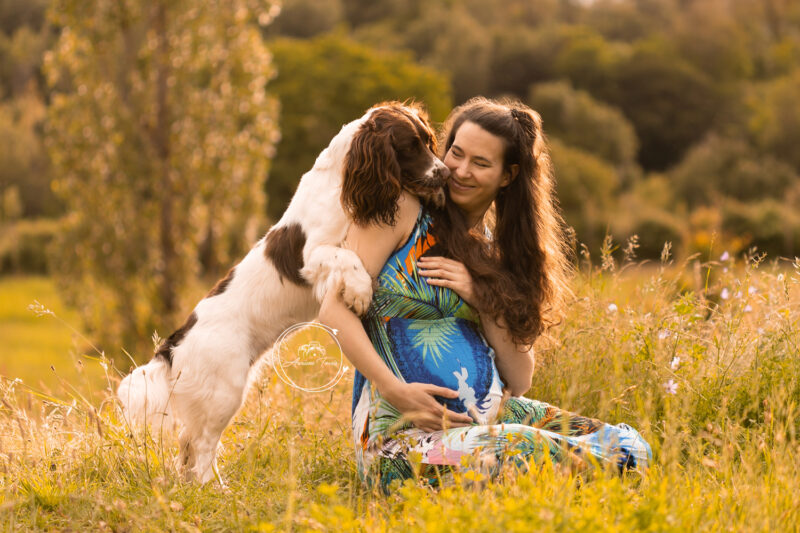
475, 160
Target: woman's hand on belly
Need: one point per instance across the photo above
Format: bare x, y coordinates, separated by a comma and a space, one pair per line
417, 404
449, 273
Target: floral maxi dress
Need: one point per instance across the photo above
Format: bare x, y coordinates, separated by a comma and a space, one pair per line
427, 334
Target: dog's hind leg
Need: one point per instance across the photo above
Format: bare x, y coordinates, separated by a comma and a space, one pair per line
205, 450
186, 455
221, 404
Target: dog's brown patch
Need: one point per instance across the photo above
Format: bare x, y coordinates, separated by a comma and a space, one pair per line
285, 250
165, 349
222, 284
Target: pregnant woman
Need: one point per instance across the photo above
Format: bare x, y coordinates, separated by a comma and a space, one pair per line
462, 294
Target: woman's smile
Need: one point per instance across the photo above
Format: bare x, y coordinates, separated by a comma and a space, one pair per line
458, 185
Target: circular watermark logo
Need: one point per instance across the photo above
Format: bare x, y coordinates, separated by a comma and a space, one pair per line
308, 356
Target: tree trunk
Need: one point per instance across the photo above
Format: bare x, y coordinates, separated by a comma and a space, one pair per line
162, 149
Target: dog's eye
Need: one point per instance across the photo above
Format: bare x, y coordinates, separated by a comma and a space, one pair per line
407, 150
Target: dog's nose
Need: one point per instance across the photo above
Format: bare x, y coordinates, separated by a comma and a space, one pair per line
440, 171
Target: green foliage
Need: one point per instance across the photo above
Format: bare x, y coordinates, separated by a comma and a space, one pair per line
361, 12
649, 210
725, 167
720, 50
15, 14
774, 117
24, 246
160, 132
590, 62
522, 56
306, 18
449, 39
20, 60
586, 185
24, 167
329, 81
619, 21
581, 121
670, 103
770, 225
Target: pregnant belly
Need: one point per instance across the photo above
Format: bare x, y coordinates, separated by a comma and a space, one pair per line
448, 352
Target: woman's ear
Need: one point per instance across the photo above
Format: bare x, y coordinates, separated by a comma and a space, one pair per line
509, 175
371, 184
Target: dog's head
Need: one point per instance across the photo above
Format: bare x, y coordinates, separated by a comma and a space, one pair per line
393, 149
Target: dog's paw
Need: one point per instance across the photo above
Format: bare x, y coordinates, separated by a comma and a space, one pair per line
357, 290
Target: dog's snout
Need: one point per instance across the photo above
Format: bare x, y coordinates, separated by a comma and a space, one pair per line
440, 171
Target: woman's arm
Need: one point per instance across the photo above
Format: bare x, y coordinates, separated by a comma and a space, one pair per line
514, 361
374, 244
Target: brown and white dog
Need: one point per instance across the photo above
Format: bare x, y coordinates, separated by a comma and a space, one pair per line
199, 375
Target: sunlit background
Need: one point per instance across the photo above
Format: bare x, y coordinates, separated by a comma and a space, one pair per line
146, 144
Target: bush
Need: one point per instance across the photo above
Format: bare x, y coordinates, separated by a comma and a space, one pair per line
578, 119
24, 244
306, 18
771, 226
650, 211
585, 186
720, 166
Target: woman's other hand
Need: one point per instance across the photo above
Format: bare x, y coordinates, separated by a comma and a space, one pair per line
444, 272
417, 404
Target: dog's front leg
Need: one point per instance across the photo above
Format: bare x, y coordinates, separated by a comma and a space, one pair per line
332, 268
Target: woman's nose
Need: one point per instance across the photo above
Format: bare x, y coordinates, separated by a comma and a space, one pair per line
460, 169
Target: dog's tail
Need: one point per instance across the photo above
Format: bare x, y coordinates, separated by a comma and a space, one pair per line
145, 394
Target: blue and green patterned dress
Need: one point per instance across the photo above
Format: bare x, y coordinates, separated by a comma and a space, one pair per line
427, 334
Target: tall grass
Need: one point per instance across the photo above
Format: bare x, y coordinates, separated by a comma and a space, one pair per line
703, 358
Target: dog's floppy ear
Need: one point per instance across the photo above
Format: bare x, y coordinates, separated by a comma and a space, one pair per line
371, 185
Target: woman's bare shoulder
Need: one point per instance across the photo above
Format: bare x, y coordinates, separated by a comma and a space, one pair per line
375, 243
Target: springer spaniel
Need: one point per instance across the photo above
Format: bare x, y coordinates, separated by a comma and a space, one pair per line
199, 374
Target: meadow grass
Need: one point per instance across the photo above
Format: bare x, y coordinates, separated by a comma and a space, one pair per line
702, 358
44, 354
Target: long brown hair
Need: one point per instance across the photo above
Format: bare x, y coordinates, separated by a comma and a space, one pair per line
520, 274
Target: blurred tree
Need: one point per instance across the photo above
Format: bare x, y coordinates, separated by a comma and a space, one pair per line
20, 60
24, 166
160, 132
773, 117
618, 21
589, 61
581, 121
523, 13
585, 185
720, 50
306, 18
522, 56
449, 39
651, 211
770, 30
15, 14
770, 225
670, 103
329, 81
361, 12
725, 167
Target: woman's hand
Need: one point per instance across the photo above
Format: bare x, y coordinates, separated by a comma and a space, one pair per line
417, 404
448, 273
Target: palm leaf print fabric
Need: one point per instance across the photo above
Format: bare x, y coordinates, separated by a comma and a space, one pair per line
427, 334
